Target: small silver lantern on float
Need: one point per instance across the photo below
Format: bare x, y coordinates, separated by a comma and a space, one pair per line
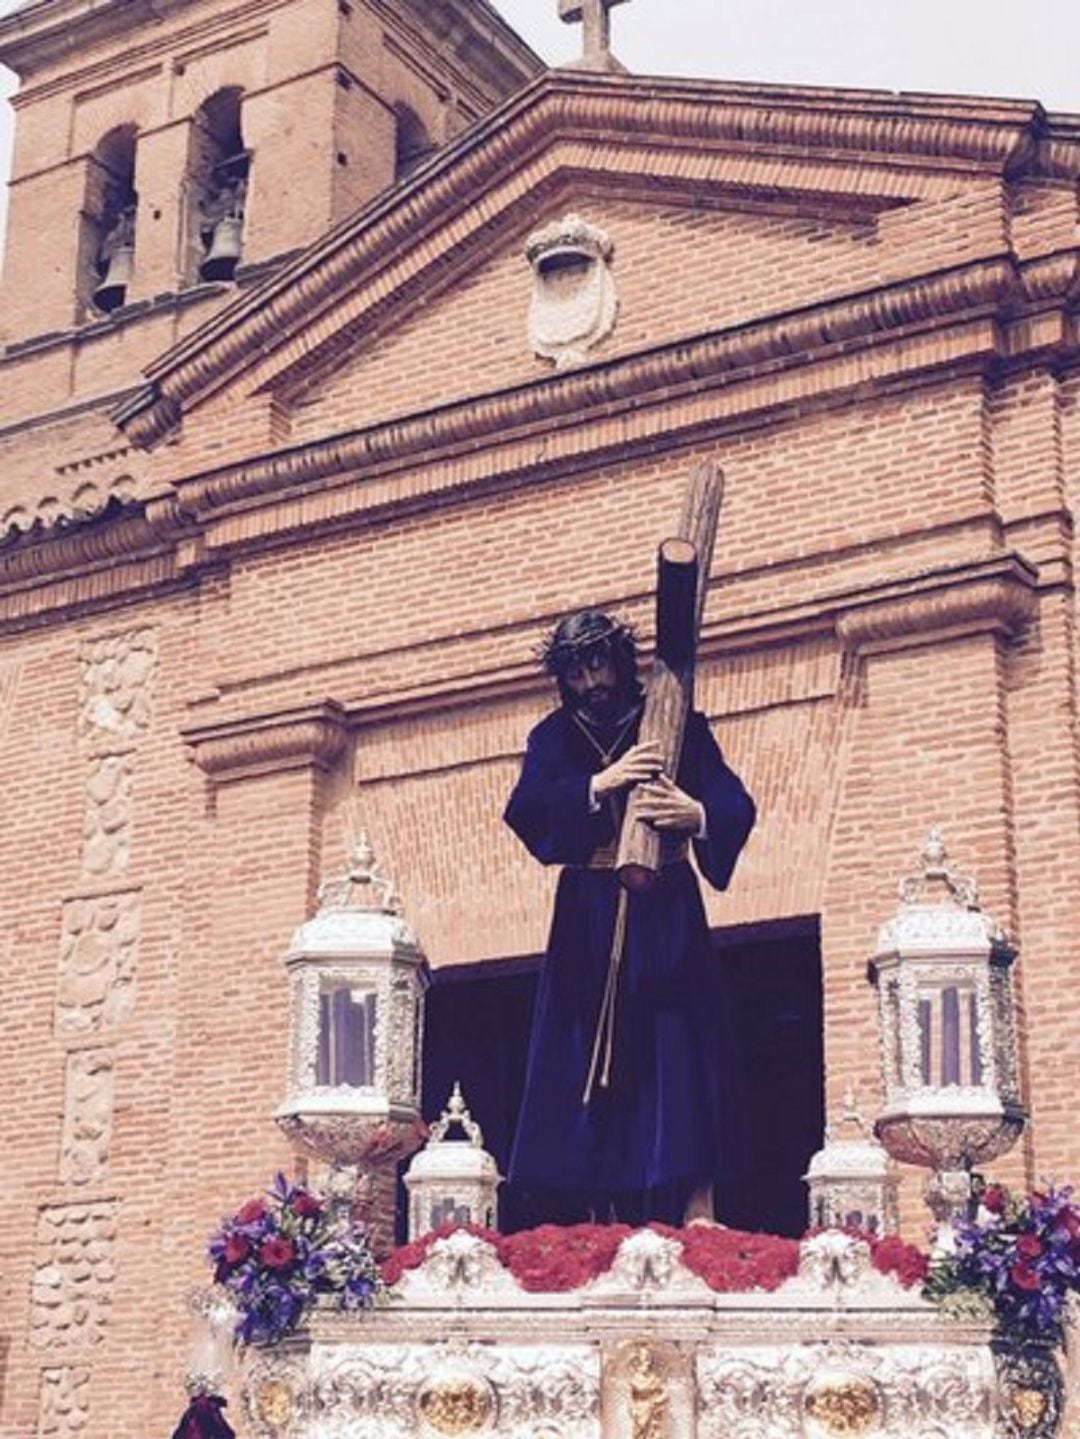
357, 979
452, 1181
948, 1034
850, 1179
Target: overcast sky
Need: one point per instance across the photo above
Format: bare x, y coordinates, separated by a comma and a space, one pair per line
1029, 50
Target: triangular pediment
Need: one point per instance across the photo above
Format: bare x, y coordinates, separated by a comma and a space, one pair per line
726, 206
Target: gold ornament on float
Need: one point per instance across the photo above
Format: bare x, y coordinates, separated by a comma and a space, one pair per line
274, 1403
1028, 1406
843, 1407
457, 1404
648, 1396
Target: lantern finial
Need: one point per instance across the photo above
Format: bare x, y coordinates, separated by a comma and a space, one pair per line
456, 1113
360, 885
936, 869
850, 1118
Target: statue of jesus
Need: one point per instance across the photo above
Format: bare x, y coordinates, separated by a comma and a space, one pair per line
645, 1143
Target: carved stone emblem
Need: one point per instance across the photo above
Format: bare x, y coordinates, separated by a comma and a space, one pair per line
574, 304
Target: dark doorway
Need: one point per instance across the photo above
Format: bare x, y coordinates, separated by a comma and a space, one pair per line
767, 985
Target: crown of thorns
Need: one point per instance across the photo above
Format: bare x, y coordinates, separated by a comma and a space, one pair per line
557, 652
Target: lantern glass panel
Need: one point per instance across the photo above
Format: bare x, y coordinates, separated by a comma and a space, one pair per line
895, 1061
346, 1035
949, 1035
447, 1210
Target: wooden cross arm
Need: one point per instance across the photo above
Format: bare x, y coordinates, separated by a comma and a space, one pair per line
676, 602
682, 580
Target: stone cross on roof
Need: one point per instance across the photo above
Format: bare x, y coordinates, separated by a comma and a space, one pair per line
596, 47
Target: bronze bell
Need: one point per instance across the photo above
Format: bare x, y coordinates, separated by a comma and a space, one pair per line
109, 294
226, 247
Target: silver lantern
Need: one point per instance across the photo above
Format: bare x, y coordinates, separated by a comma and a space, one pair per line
850, 1180
948, 1033
356, 984
452, 1180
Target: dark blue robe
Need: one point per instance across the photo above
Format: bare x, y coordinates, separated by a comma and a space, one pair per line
658, 1124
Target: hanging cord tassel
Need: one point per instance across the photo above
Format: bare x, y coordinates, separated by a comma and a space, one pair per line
604, 1042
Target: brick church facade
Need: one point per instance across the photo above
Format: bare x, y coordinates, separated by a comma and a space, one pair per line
276, 548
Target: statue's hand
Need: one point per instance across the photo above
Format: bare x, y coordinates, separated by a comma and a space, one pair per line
665, 806
640, 762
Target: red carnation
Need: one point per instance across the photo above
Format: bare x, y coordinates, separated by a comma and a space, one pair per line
1028, 1246
277, 1253
236, 1249
251, 1213
994, 1199
1068, 1220
306, 1205
1024, 1276
892, 1255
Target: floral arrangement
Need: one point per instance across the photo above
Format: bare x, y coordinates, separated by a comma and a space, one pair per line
1017, 1261
554, 1258
281, 1255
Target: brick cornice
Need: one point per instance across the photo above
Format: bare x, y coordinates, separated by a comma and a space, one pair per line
995, 595
998, 596
50, 31
958, 322
883, 136
723, 357
310, 737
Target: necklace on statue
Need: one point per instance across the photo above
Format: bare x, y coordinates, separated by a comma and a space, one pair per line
607, 754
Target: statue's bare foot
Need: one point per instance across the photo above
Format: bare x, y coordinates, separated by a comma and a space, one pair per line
699, 1207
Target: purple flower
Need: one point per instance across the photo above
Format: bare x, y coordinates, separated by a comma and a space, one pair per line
275, 1258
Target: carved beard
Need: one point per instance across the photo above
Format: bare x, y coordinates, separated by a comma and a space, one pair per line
614, 706
599, 704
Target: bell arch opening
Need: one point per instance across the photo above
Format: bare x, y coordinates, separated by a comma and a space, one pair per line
107, 224
216, 188
412, 142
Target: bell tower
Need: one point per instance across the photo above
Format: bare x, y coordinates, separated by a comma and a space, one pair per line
164, 147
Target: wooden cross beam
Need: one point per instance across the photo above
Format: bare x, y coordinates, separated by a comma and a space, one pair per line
682, 583
596, 46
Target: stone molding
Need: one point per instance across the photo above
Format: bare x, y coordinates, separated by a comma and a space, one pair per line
811, 356
722, 357
309, 736
1052, 277
876, 132
996, 597
100, 539
30, 42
